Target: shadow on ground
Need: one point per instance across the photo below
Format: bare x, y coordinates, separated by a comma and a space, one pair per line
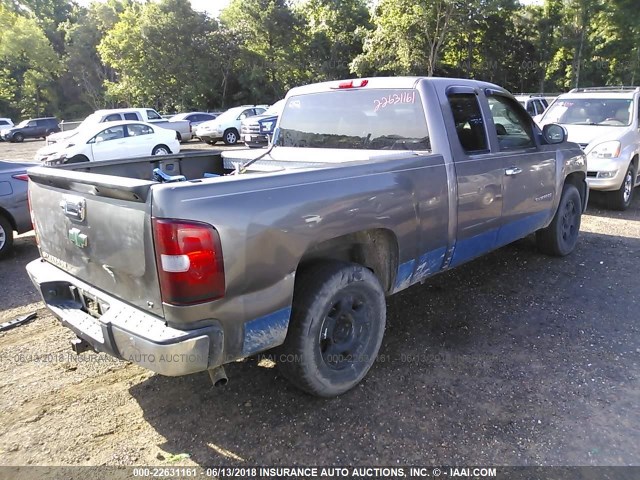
514, 359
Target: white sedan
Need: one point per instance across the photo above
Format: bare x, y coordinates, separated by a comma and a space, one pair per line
110, 141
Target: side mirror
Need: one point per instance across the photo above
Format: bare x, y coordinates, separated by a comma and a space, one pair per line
554, 133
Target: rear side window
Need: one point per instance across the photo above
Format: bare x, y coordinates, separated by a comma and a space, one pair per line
131, 116
152, 115
138, 129
114, 117
380, 119
513, 125
469, 123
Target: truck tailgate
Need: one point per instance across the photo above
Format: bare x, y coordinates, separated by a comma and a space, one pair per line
80, 230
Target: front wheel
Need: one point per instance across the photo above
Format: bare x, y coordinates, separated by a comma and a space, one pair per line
161, 150
621, 198
18, 137
336, 328
560, 237
6, 236
230, 137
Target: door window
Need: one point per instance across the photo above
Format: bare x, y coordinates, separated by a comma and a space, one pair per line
469, 122
513, 125
108, 134
531, 108
153, 115
138, 129
131, 116
114, 117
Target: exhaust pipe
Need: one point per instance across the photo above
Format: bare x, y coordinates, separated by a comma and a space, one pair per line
218, 376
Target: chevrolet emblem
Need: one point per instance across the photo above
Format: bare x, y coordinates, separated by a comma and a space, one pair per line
78, 239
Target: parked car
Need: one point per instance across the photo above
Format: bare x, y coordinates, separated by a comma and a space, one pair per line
110, 141
195, 118
604, 121
256, 130
181, 127
32, 128
5, 122
534, 104
227, 126
359, 198
14, 209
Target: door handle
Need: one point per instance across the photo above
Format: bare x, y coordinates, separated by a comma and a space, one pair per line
510, 172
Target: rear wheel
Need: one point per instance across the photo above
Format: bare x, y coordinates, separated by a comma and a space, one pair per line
560, 237
160, 150
18, 137
6, 236
230, 136
621, 198
336, 328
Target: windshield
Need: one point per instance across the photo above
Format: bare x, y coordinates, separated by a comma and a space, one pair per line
590, 111
230, 115
23, 123
275, 109
90, 120
382, 119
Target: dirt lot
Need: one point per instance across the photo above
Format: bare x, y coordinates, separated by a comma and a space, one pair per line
514, 359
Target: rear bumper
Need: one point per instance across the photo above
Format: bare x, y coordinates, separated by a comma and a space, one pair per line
124, 331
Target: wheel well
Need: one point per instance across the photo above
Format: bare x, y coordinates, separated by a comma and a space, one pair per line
10, 219
577, 179
634, 162
376, 249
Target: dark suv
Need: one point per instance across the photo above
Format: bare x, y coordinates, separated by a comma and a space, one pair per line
32, 128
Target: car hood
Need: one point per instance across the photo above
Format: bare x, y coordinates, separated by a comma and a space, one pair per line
258, 118
57, 137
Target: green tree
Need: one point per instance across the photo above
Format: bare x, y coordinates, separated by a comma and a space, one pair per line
336, 30
163, 56
30, 66
273, 54
408, 37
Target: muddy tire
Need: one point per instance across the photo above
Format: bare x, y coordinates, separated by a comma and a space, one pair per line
560, 237
336, 328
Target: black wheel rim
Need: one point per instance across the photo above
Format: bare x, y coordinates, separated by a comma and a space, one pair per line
345, 331
570, 222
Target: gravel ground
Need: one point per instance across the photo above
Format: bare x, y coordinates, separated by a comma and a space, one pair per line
513, 359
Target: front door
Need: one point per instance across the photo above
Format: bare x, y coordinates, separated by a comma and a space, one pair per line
529, 186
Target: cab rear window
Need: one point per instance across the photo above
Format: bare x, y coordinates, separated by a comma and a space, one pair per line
380, 119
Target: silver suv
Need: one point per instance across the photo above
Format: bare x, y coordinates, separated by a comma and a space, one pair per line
604, 121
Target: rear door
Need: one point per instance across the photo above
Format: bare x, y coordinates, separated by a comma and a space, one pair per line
479, 175
139, 139
529, 173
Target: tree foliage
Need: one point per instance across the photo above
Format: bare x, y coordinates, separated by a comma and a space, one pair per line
60, 58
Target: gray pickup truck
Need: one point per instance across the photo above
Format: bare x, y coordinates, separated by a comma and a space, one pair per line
185, 263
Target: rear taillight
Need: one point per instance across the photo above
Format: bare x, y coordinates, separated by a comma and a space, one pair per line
189, 258
22, 176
